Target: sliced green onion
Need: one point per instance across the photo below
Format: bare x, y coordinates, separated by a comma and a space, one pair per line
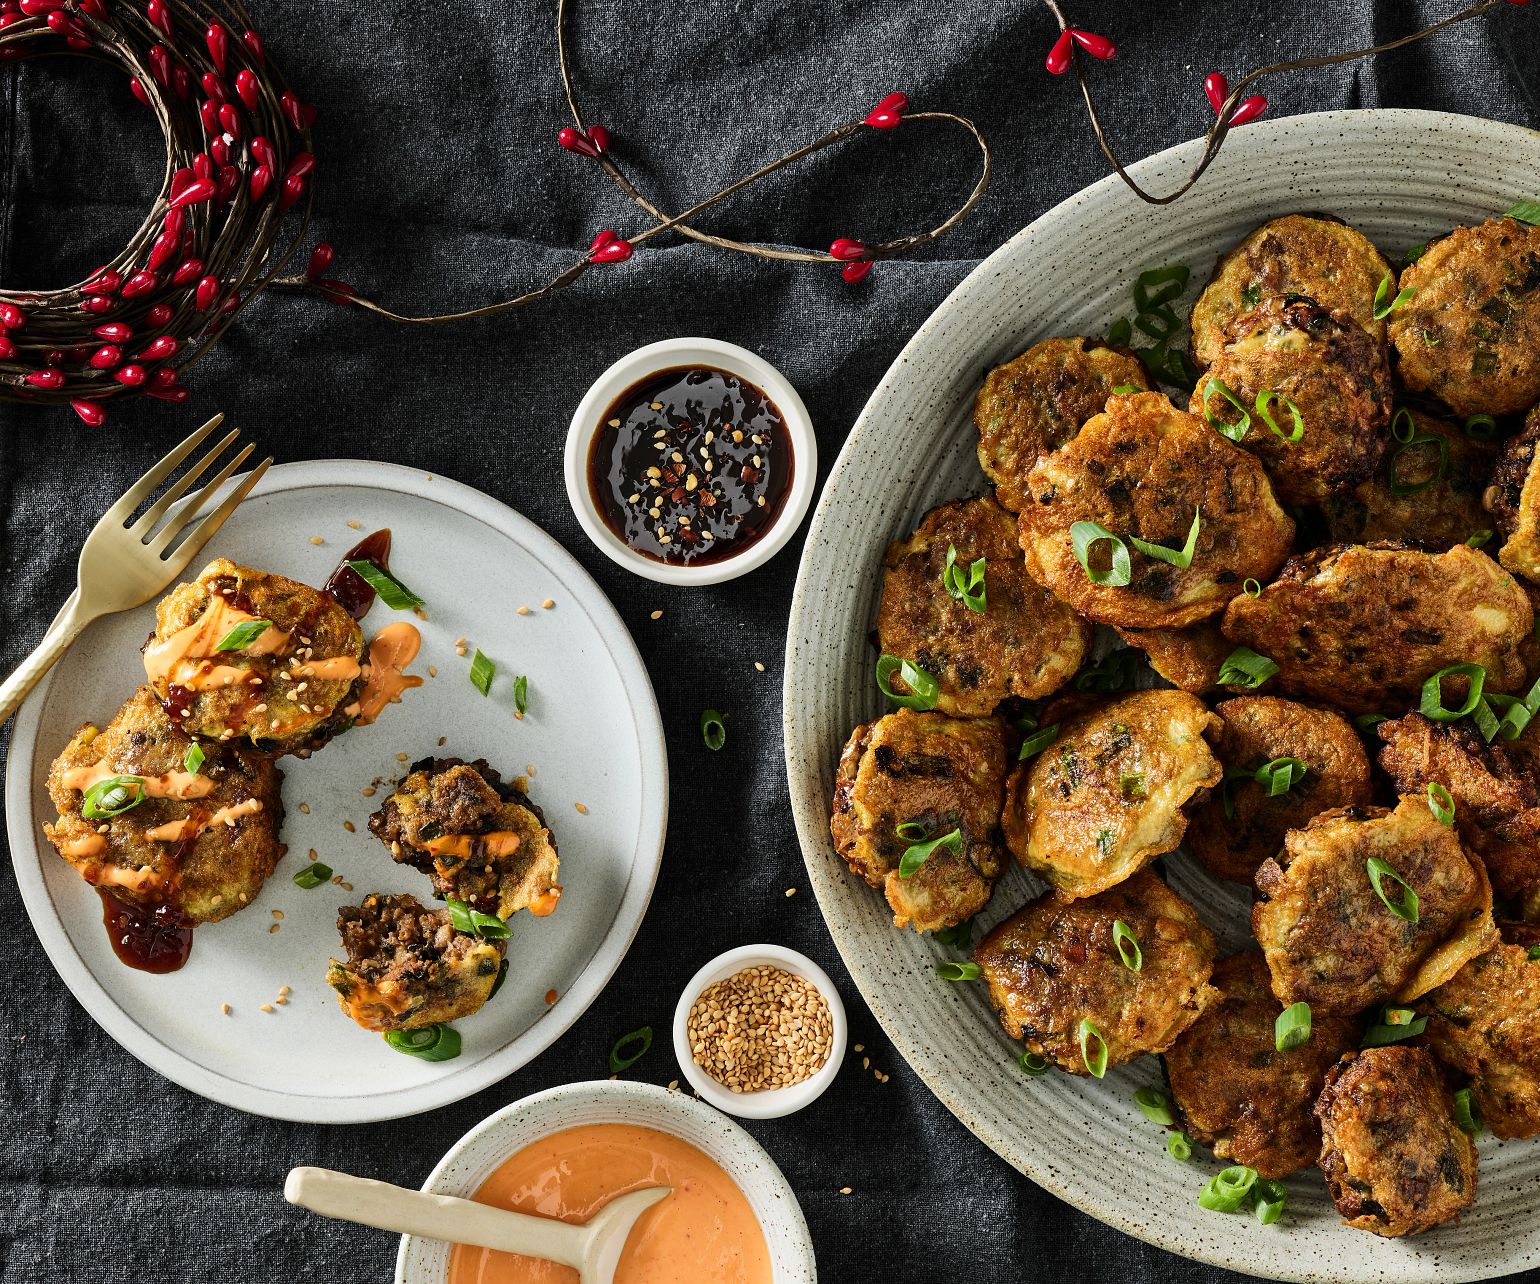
497, 984
1226, 1191
1120, 333
621, 1055
1037, 742
1252, 295
1414, 253
1441, 803
1396, 1026
1466, 1113
916, 855
1366, 722
1270, 1198
1128, 945
1251, 588
1243, 667
391, 591
1480, 427
1159, 323
923, 687
1179, 1146
1178, 370
1181, 558
957, 937
473, 922
1526, 212
1235, 431
713, 729
1084, 536
1155, 1105
243, 635
1533, 954
1113, 672
431, 1043
1399, 487
1132, 786
1478, 539
1292, 1027
950, 971
482, 671
1095, 1061
112, 797
1032, 1065
1265, 399
1126, 389
1403, 427
969, 589
1158, 286
1432, 705
1384, 305
313, 876
192, 759
521, 694
1405, 906
1281, 775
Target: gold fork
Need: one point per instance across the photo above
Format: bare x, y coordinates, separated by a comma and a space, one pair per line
123, 566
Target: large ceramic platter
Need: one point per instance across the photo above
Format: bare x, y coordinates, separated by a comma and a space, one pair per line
592, 736
1401, 176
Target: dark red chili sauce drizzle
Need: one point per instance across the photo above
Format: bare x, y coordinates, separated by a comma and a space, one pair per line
662, 432
347, 586
153, 939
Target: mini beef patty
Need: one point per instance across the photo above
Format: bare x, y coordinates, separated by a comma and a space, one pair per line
1055, 964
407, 966
201, 842
480, 840
1024, 643
1031, 406
1143, 469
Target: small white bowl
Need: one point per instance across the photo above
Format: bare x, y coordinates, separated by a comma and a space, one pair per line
771, 1103
667, 355
473, 1158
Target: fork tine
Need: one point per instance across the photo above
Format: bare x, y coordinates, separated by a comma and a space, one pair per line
210, 525
178, 522
146, 524
141, 489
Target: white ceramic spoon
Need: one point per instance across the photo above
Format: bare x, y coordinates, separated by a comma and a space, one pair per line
593, 1248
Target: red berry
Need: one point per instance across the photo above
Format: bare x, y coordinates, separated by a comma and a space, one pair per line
74, 34
106, 281
576, 141
203, 297
114, 332
1217, 86
132, 376
12, 317
320, 259
293, 110
1096, 46
104, 358
140, 283
162, 250
600, 136
187, 271
208, 111
214, 87
336, 291
46, 379
36, 8
607, 247
218, 41
173, 221
160, 65
229, 120
1249, 110
261, 180
165, 377
293, 189
157, 13
7, 348
889, 113
230, 305
1058, 60
219, 149
197, 191
159, 349
247, 86
302, 164
160, 314
253, 42
181, 80
202, 166
847, 250
853, 272
139, 90
89, 411
262, 149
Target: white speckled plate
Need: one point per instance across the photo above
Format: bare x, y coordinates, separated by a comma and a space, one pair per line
1400, 176
592, 734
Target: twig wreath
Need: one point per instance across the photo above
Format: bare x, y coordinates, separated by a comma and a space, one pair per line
238, 158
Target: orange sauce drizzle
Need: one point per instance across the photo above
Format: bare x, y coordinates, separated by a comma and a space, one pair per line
545, 904
500, 842
174, 784
175, 659
393, 648
191, 826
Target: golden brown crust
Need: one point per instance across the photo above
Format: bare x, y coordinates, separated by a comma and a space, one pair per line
1189, 659
1107, 797
940, 774
1361, 627
1395, 1161
1335, 373
1030, 406
1314, 255
1330, 940
1141, 469
1513, 499
1026, 642
1235, 1091
1231, 843
1470, 335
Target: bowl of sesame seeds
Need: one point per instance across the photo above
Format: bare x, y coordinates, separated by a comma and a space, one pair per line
760, 1031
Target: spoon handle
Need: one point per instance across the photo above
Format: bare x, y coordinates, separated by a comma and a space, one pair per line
415, 1212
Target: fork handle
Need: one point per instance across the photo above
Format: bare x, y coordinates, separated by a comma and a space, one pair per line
65, 628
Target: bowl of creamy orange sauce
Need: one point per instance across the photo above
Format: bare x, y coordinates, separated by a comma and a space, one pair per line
731, 1219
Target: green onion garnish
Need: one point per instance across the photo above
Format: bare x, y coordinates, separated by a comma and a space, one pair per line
950, 971
482, 671
1132, 786
1159, 323
1095, 1061
1414, 253
968, 589
1441, 803
1159, 286
1292, 1027
1270, 1197
1432, 705
192, 759
391, 591
1181, 558
1280, 775
1226, 1191
243, 634
957, 937
917, 854
497, 984
1399, 487
1243, 667
312, 876
1037, 742
1526, 212
1032, 1065
713, 729
1265, 399
1179, 1146
1384, 305
1126, 389
1395, 1026
1466, 1113
923, 687
1155, 1105
1113, 672
1403, 427
1120, 333
521, 694
1084, 536
1366, 722
431, 1043
475, 923
1235, 431
1178, 370
112, 797
1406, 906
621, 1057
1251, 588
1480, 427
1533, 954
1128, 945
1478, 539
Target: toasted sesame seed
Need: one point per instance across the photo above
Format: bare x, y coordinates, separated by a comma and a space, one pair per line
267, 1007
791, 891
548, 603
352, 525
348, 825
347, 887
316, 539
656, 405
225, 1008
762, 1028
614, 423
845, 1190
657, 615
400, 757
305, 807
284, 989
368, 791
273, 928
582, 810
277, 913
758, 666
433, 670
280, 1002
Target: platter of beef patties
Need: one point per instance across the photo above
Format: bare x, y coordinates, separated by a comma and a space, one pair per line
1159, 692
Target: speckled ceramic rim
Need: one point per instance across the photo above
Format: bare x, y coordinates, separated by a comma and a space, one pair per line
1400, 175
776, 1102
636, 366
472, 1159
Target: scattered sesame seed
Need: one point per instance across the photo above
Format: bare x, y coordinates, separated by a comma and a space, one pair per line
352, 525
225, 1008
305, 807
316, 539
277, 913
368, 791
845, 1190
433, 670
548, 603
267, 1007
614, 423
791, 891
273, 928
673, 1085
348, 825
284, 989
460, 642
582, 810
657, 615
760, 667
523, 610
860, 1047
550, 997
441, 741
529, 769
460, 650
400, 757
347, 887
656, 405
280, 1002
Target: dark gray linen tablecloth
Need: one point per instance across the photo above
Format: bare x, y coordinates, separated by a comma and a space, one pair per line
441, 185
